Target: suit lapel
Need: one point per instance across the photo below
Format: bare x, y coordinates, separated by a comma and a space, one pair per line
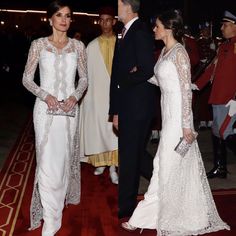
130, 31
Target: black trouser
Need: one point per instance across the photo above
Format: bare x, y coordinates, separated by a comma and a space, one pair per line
133, 161
219, 151
220, 158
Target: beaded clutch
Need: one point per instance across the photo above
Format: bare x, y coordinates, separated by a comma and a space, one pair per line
61, 112
183, 146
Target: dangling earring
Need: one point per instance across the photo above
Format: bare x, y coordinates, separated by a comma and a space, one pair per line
50, 22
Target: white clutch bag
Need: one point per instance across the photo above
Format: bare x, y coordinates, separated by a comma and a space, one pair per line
183, 146
61, 112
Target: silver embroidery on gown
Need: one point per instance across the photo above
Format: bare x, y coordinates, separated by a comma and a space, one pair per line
62, 176
179, 200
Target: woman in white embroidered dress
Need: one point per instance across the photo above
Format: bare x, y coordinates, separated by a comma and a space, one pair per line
57, 179
178, 201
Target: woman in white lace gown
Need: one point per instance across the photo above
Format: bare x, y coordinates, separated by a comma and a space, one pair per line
57, 178
179, 200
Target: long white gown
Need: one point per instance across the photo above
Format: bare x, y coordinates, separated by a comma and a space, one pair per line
179, 200
57, 178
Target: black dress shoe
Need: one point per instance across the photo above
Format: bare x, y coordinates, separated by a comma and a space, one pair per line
217, 172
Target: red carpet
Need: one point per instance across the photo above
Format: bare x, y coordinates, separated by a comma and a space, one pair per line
96, 215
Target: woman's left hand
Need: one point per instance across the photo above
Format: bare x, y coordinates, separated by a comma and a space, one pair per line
69, 103
188, 135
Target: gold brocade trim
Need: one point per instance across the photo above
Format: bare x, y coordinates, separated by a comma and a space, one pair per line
104, 159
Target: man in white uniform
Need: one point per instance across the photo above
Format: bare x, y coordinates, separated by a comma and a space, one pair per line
98, 142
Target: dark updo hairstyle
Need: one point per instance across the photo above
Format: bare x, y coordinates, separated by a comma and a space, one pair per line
56, 5
173, 20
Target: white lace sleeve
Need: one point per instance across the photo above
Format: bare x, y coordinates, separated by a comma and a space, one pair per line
82, 70
153, 80
183, 67
30, 68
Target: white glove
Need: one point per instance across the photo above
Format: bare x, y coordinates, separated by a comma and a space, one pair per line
232, 107
194, 87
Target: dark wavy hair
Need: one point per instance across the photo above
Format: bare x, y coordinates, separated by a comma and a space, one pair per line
173, 20
56, 5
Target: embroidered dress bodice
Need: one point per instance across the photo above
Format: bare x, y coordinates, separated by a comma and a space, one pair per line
55, 67
174, 64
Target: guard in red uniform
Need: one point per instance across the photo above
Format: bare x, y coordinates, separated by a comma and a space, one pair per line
205, 42
207, 51
191, 47
222, 74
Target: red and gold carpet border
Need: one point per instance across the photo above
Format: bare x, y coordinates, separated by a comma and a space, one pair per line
14, 177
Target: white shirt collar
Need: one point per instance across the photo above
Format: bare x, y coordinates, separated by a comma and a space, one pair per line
128, 25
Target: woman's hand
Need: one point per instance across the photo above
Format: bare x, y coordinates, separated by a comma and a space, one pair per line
52, 102
188, 135
69, 103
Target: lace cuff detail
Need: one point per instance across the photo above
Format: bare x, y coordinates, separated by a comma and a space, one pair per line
82, 86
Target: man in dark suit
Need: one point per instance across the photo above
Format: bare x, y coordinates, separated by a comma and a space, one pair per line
132, 102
